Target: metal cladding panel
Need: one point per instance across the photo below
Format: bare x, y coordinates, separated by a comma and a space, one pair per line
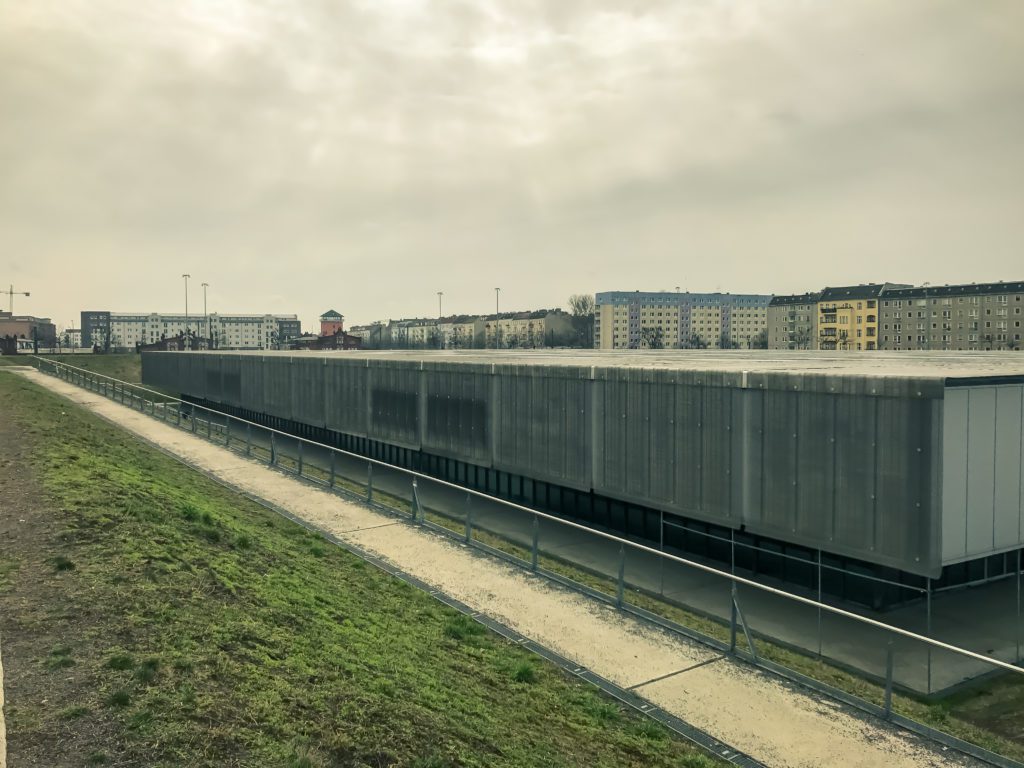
458, 412
213, 378
854, 523
346, 394
252, 371
903, 516
815, 476
716, 452
395, 402
542, 425
231, 380
689, 402
778, 471
277, 386
1008, 457
193, 370
307, 390
954, 474
661, 423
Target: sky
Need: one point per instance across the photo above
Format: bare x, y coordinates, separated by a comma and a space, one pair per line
363, 155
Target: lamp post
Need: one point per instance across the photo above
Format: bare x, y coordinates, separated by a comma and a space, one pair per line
206, 316
439, 313
184, 342
497, 311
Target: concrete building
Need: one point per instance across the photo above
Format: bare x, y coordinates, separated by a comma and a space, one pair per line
982, 316
32, 329
847, 316
114, 330
528, 330
663, 320
860, 460
793, 321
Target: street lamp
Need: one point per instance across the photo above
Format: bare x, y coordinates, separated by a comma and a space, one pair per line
439, 313
497, 311
184, 342
206, 316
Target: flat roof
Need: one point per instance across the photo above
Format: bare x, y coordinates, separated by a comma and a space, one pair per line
929, 365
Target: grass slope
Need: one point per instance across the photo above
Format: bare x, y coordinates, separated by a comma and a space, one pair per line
209, 631
124, 367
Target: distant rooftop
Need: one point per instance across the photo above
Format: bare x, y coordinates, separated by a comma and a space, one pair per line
930, 365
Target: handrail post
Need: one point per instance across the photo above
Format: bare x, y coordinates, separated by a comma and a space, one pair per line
536, 537
469, 518
248, 439
209, 426
334, 461
273, 450
227, 432
621, 588
298, 461
369, 482
192, 419
732, 619
415, 502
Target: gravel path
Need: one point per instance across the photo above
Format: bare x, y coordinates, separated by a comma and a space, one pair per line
753, 711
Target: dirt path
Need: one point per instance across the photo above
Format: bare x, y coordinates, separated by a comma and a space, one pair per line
755, 712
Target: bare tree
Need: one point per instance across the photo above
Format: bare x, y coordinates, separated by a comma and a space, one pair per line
582, 308
652, 337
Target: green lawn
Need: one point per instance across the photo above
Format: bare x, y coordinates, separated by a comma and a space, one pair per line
204, 630
124, 367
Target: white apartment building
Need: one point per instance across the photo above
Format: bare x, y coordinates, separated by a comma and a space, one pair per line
663, 320
126, 330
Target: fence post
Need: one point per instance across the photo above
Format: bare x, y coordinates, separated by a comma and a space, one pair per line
331, 480
888, 681
819, 604
415, 503
622, 576
536, 536
369, 482
209, 426
192, 418
248, 439
469, 518
298, 461
177, 415
732, 619
273, 450
227, 432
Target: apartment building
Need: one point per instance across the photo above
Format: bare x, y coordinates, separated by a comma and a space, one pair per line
664, 320
982, 316
128, 330
414, 333
521, 330
793, 321
848, 317
462, 332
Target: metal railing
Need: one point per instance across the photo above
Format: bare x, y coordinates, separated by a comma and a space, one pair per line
609, 567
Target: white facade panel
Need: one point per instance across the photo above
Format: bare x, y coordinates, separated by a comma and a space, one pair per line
981, 469
1007, 509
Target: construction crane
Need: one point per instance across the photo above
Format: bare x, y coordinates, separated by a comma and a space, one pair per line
11, 293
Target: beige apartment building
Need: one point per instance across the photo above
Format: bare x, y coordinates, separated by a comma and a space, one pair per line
663, 320
793, 321
462, 332
518, 330
982, 316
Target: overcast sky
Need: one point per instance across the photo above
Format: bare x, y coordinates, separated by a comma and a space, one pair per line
311, 154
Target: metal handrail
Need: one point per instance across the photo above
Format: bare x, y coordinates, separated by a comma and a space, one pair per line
622, 542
